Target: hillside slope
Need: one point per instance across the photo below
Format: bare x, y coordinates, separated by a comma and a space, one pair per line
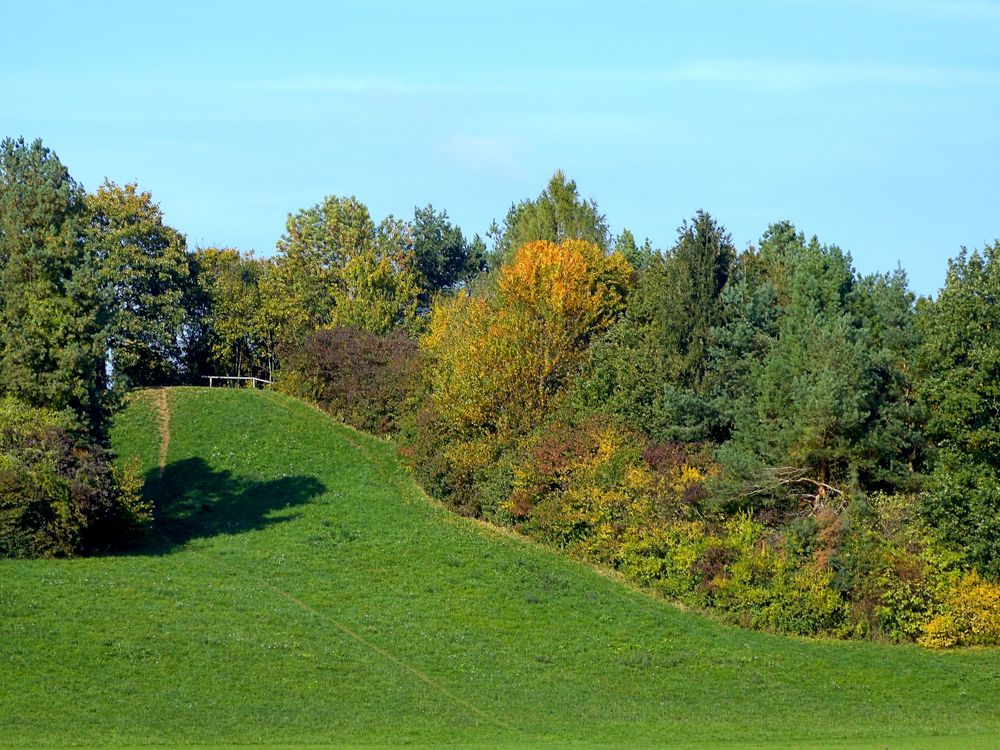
301, 590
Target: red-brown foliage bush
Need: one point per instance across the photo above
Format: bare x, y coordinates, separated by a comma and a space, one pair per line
364, 379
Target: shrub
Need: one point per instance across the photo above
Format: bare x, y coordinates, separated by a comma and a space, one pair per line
364, 379
677, 559
604, 493
449, 467
891, 568
58, 496
970, 616
766, 586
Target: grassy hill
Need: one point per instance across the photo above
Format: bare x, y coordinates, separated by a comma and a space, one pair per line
300, 590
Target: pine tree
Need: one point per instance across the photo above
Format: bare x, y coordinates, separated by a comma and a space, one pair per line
807, 401
959, 360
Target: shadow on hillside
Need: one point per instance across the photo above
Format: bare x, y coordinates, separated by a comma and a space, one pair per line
194, 501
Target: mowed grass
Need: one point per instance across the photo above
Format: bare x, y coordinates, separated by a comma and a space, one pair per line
300, 590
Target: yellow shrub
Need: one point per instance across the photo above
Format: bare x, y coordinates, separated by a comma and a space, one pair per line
970, 616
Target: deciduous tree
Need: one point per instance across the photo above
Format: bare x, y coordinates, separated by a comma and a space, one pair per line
335, 267
557, 214
53, 317
144, 269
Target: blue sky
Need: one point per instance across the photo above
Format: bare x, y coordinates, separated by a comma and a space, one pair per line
871, 124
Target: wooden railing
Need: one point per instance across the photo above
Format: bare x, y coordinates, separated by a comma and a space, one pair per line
253, 381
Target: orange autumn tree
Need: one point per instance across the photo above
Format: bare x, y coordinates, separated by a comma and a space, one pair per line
498, 362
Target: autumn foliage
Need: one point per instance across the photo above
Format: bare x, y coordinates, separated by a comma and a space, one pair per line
498, 362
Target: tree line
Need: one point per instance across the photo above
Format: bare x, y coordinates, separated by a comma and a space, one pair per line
764, 432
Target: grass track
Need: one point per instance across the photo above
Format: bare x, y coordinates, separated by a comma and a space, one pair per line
302, 591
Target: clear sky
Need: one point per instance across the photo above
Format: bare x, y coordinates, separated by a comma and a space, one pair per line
875, 125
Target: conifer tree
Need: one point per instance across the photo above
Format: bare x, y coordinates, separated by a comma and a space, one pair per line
651, 367
808, 397
556, 215
959, 384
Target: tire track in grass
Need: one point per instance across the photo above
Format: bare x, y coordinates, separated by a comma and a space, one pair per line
163, 421
360, 639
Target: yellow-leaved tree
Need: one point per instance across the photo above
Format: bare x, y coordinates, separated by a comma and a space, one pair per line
498, 361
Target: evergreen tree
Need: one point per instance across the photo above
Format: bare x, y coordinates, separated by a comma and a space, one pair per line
53, 319
444, 258
681, 296
748, 328
650, 369
959, 361
798, 423
639, 257
892, 452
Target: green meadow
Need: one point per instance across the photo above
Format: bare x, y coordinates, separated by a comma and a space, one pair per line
300, 590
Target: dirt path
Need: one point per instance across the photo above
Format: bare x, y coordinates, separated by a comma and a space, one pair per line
162, 407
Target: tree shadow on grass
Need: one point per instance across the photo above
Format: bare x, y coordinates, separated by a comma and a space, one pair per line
193, 501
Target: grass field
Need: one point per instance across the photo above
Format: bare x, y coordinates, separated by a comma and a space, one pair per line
300, 590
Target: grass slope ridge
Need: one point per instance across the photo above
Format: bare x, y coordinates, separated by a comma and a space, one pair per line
301, 590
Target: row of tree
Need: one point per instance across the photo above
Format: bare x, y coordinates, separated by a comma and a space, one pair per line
98, 292
98, 295
766, 432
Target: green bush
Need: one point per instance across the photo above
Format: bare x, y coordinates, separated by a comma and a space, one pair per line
59, 496
891, 568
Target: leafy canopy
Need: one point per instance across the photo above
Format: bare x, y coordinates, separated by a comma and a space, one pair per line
336, 267
53, 316
144, 270
557, 214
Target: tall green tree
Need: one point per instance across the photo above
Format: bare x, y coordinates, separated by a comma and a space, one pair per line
893, 452
144, 268
444, 257
826, 406
336, 267
237, 339
959, 361
682, 295
650, 368
638, 256
53, 317
556, 215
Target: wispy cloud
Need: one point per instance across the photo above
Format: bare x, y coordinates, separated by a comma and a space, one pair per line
971, 10
348, 85
383, 86
803, 75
